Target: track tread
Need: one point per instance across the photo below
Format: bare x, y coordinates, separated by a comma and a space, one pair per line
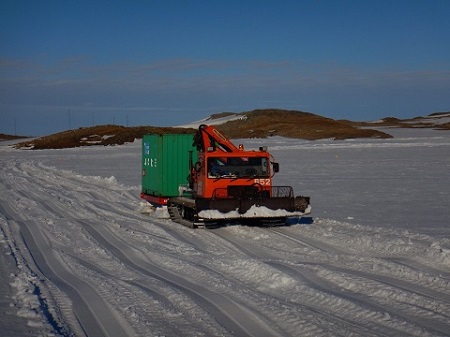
175, 216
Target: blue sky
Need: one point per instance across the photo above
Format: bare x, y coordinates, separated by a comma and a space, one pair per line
71, 63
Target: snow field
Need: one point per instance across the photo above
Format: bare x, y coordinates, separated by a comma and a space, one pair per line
75, 229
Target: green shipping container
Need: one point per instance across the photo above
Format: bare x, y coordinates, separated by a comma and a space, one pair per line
165, 163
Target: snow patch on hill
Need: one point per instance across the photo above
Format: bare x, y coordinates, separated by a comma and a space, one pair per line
214, 121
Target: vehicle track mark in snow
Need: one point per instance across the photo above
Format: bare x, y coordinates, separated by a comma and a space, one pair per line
322, 302
328, 248
422, 266
234, 316
323, 310
367, 304
324, 293
129, 296
93, 313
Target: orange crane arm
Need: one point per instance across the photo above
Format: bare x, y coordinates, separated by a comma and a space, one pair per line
208, 139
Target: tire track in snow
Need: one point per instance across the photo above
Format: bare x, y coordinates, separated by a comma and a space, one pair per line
439, 323
258, 299
396, 282
340, 303
275, 259
308, 242
320, 306
93, 313
235, 317
369, 305
416, 265
141, 282
94, 316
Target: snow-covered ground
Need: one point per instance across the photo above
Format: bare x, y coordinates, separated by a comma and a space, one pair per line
78, 258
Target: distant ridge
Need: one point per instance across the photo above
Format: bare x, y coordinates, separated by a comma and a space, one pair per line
10, 137
251, 124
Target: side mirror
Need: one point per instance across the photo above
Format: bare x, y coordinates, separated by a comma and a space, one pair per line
276, 167
197, 166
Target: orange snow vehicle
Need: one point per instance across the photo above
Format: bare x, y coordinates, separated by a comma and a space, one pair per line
224, 183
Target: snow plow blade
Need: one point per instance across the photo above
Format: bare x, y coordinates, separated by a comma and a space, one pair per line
258, 208
255, 208
248, 205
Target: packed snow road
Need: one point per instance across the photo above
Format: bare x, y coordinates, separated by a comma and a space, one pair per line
82, 260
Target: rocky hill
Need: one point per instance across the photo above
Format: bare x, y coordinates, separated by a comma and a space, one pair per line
293, 124
96, 135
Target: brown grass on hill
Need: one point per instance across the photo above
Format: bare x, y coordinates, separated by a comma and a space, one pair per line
96, 135
445, 126
294, 124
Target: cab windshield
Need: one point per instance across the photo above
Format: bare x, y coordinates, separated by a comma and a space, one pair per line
236, 167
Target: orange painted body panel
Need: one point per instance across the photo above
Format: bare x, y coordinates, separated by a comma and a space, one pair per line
220, 170
226, 171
